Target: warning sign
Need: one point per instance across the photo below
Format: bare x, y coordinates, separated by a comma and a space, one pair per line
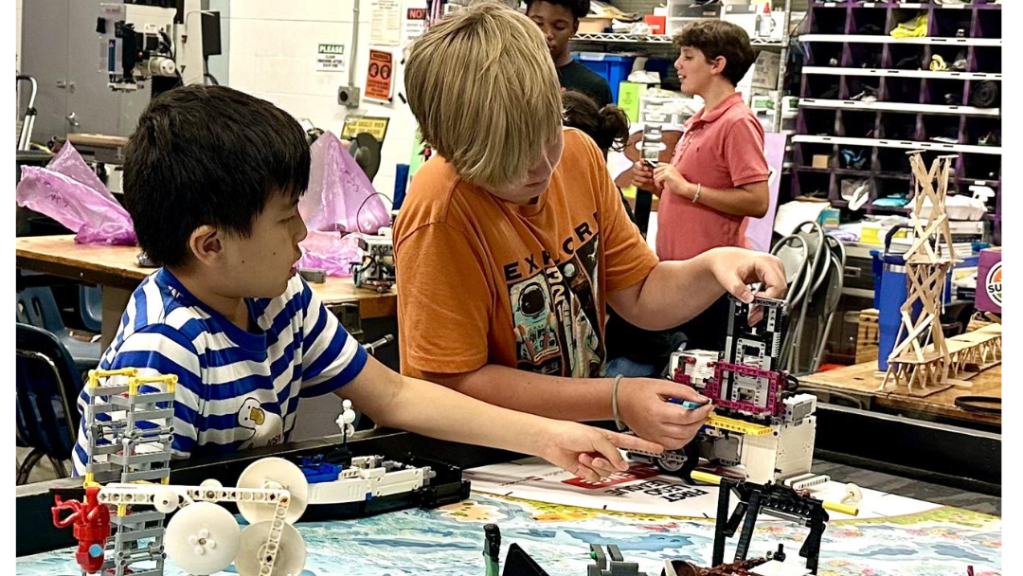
415, 23
379, 77
354, 125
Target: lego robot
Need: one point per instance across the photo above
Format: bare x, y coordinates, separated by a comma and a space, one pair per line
761, 430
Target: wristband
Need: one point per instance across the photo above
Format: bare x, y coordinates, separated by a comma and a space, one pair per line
696, 196
614, 403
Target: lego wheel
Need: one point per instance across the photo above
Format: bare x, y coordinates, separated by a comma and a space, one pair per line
290, 558
273, 473
202, 538
681, 463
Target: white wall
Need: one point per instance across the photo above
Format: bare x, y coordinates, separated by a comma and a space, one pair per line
272, 54
17, 35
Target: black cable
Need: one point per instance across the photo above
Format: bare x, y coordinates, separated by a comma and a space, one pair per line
363, 205
980, 404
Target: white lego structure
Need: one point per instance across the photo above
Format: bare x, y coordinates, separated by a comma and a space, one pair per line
202, 538
783, 454
760, 431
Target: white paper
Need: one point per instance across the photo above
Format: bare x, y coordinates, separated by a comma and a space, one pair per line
386, 24
794, 213
644, 490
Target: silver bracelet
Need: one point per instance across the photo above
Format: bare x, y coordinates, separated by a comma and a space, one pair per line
614, 403
696, 196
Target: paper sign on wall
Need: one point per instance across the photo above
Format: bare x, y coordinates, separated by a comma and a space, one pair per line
379, 84
415, 23
330, 58
373, 125
386, 24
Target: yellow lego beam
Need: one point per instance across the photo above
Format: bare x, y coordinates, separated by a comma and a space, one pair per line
739, 426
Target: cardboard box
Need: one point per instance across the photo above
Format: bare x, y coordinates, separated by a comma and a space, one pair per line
821, 161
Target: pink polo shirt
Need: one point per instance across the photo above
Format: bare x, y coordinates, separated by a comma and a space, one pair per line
722, 149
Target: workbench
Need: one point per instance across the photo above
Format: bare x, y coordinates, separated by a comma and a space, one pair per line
861, 382
941, 541
116, 270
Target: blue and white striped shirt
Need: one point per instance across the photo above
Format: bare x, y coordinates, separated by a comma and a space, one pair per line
236, 389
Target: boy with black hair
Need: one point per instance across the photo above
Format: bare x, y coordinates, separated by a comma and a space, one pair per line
559, 22
212, 180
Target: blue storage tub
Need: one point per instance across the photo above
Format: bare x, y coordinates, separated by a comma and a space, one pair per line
614, 68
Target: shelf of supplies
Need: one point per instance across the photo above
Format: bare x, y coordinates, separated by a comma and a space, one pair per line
979, 182
899, 107
943, 75
889, 209
624, 38
880, 39
892, 175
906, 5
852, 172
904, 144
658, 39
812, 170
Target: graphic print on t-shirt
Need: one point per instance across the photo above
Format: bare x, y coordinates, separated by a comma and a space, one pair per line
555, 316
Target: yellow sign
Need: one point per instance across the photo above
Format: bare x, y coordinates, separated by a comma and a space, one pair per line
376, 127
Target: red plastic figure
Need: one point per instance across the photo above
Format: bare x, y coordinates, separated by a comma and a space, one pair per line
91, 527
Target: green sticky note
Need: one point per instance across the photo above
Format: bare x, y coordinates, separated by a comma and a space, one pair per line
629, 94
417, 155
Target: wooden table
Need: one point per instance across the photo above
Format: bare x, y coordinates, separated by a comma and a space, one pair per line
114, 268
861, 381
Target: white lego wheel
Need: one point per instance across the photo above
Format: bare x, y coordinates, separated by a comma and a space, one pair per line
165, 499
273, 473
853, 494
290, 558
202, 538
211, 483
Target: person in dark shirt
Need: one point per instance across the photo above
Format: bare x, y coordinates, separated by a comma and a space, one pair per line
559, 21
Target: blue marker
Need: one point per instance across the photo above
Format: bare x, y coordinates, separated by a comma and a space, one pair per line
687, 404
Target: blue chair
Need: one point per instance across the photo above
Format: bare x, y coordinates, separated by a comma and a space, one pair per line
48, 385
37, 307
90, 302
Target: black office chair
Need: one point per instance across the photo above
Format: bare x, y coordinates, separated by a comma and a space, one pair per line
48, 385
37, 307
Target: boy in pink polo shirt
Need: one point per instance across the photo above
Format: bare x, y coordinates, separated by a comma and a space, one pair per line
718, 176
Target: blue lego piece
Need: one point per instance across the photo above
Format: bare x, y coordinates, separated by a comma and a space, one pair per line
317, 471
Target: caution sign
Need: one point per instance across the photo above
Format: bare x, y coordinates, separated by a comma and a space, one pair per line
379, 77
355, 125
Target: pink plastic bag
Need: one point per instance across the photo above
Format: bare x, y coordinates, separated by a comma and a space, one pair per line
340, 201
330, 251
68, 191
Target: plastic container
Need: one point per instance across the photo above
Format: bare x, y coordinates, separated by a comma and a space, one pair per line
614, 68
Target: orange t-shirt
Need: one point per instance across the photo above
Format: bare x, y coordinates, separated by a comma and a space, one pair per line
484, 281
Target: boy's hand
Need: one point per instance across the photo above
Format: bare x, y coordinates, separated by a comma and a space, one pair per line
668, 177
589, 453
643, 177
735, 268
643, 405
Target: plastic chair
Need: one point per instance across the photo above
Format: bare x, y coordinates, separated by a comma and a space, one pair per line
833, 293
47, 385
90, 303
37, 307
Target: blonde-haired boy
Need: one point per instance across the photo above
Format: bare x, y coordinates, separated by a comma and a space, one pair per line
512, 240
